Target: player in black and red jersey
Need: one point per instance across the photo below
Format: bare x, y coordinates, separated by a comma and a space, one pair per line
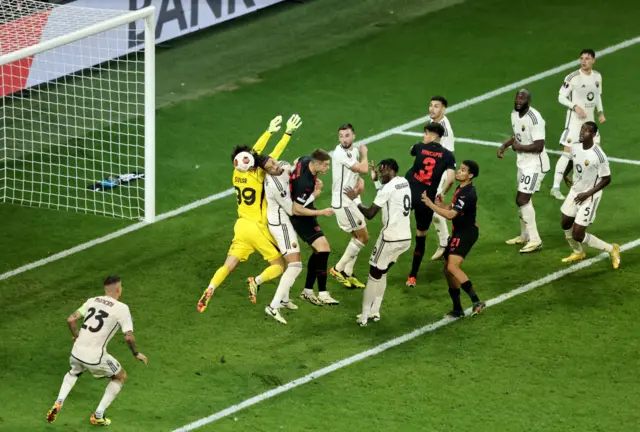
462, 213
305, 186
432, 161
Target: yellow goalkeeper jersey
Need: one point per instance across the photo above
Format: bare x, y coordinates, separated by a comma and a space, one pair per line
249, 185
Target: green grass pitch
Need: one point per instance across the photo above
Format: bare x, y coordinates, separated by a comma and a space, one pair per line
563, 357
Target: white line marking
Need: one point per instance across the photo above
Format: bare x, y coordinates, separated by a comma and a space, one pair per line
371, 139
498, 144
394, 342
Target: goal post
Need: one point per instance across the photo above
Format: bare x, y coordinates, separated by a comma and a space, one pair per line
77, 108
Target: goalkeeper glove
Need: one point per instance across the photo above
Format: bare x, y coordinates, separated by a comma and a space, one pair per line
293, 124
274, 125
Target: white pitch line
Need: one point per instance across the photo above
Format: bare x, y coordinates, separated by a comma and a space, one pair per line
394, 342
498, 144
464, 104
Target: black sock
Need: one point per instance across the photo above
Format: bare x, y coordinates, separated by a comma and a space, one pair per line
322, 262
468, 288
418, 254
311, 272
455, 296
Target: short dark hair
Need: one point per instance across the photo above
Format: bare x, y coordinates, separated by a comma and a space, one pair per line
473, 166
593, 126
346, 126
440, 99
320, 155
589, 51
240, 149
260, 160
389, 163
111, 280
435, 128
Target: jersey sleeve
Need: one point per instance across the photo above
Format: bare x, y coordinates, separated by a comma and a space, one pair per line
450, 162
599, 97
603, 168
382, 196
413, 150
564, 95
276, 189
538, 130
279, 148
83, 309
462, 202
125, 320
298, 192
262, 142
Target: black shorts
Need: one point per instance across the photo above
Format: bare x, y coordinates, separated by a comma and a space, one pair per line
422, 213
307, 228
460, 243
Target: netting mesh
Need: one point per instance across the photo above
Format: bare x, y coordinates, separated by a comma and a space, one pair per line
71, 118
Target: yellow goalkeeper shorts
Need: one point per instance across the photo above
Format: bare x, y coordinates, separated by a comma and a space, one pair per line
249, 237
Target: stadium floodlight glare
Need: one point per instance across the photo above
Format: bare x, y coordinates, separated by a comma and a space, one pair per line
77, 108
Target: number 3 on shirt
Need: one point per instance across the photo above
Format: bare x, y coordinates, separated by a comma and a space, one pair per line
427, 172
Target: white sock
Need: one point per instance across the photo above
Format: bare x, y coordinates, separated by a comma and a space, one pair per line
561, 165
309, 291
528, 215
382, 286
67, 384
349, 257
369, 296
323, 293
286, 282
440, 224
596, 243
110, 393
575, 246
523, 227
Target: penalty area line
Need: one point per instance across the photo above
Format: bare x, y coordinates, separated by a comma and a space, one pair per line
498, 144
394, 342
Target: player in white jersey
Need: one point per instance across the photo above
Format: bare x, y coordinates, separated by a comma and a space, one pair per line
591, 174
102, 317
437, 108
533, 163
279, 208
394, 198
349, 161
581, 93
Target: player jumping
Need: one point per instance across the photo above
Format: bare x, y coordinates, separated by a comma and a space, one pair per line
532, 162
250, 231
437, 107
279, 208
462, 213
394, 198
102, 317
432, 162
591, 174
346, 170
581, 93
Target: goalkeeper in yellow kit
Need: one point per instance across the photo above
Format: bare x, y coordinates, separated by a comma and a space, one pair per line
251, 232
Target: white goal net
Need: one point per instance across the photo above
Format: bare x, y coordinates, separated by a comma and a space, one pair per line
77, 113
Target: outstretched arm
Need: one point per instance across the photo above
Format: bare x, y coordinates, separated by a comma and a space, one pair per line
536, 147
444, 212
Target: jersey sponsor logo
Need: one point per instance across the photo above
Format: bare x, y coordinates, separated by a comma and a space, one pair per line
590, 96
239, 180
